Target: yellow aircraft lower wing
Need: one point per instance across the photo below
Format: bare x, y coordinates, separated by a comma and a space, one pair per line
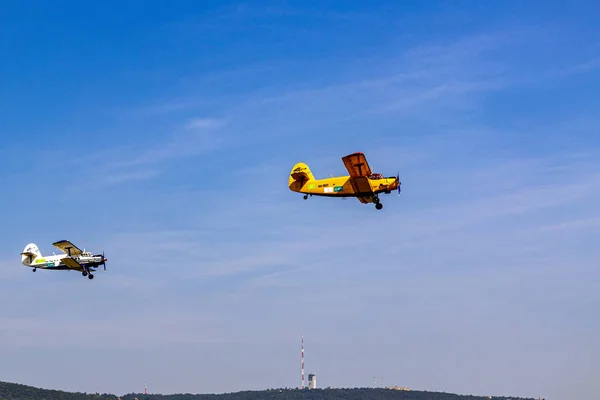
362, 189
69, 262
67, 247
357, 165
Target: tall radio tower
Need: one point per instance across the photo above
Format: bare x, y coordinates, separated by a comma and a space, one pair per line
145, 388
302, 362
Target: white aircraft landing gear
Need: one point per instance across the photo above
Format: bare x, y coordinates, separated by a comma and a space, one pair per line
88, 274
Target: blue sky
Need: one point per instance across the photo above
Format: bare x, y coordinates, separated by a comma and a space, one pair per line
164, 133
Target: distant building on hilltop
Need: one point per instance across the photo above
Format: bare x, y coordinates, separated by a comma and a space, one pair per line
312, 381
396, 387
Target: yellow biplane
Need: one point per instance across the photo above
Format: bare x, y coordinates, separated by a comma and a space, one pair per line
361, 183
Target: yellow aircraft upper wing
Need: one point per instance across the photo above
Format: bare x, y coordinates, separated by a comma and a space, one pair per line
69, 262
357, 165
67, 247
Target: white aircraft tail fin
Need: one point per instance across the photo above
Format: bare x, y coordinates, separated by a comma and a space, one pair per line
30, 253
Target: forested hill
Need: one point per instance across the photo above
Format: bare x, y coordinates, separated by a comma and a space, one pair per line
13, 391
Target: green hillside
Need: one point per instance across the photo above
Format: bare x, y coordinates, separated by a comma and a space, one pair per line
13, 391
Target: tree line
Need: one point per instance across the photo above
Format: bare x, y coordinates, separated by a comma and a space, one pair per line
13, 391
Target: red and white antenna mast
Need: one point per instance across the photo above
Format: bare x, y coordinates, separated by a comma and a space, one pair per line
302, 362
145, 387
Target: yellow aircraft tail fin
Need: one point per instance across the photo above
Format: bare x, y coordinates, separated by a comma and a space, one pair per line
299, 175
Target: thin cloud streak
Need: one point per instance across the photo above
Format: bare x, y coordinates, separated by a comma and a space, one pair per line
204, 123
117, 166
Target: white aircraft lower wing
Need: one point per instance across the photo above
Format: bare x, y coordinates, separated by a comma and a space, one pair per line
69, 262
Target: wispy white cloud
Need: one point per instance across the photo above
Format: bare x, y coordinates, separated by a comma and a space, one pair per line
587, 66
445, 78
432, 94
118, 165
578, 68
204, 123
245, 11
441, 79
589, 223
234, 18
201, 138
117, 178
169, 107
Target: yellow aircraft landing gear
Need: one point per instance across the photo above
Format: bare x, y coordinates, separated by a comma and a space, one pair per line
377, 202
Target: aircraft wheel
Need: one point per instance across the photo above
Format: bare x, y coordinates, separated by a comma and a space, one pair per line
90, 276
84, 273
35, 269
379, 206
305, 197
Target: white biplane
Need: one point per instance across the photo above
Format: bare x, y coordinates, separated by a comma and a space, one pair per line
73, 259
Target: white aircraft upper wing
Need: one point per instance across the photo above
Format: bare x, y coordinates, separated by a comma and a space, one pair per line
67, 247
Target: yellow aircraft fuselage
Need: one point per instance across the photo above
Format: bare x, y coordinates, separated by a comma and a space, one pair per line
340, 186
